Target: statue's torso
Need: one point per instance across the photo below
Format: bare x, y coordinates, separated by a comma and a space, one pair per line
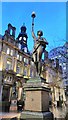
39, 42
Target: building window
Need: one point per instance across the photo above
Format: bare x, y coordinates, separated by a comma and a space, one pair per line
18, 69
11, 53
59, 56
64, 68
9, 78
60, 64
9, 65
20, 58
19, 46
20, 38
25, 72
8, 51
25, 49
26, 60
64, 64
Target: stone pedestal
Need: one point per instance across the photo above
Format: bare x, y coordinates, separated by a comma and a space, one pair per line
37, 100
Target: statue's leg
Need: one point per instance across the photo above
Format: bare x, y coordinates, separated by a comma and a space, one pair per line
39, 68
36, 66
35, 60
39, 53
39, 57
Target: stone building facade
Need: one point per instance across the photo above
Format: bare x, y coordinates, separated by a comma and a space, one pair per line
61, 53
15, 64
52, 72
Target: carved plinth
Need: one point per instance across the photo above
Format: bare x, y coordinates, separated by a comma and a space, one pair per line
37, 100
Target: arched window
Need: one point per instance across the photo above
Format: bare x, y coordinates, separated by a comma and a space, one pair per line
11, 32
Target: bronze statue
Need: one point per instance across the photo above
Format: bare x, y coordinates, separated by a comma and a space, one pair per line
39, 46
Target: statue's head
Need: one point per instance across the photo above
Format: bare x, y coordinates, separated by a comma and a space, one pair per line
40, 33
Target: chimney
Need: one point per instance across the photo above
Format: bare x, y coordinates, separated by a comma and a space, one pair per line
11, 30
